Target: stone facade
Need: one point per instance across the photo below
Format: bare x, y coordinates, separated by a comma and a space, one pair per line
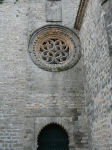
32, 98
107, 7
79, 99
98, 80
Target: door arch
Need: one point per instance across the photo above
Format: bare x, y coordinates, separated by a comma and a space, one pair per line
53, 137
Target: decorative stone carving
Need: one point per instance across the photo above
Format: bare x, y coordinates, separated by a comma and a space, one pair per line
54, 10
54, 51
40, 123
54, 48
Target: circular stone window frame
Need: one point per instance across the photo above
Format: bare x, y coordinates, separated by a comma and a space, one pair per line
54, 31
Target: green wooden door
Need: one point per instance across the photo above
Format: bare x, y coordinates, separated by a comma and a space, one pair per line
53, 137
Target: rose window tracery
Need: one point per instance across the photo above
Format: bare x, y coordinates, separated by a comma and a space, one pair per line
54, 51
54, 48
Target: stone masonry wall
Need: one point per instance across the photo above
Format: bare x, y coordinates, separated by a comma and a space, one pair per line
98, 80
13, 50
31, 97
55, 94
107, 8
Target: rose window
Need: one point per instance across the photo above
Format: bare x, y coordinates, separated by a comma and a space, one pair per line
54, 48
54, 51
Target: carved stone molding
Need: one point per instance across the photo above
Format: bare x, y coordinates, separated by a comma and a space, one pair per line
80, 15
40, 123
54, 48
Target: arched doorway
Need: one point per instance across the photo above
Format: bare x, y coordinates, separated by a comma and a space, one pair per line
53, 137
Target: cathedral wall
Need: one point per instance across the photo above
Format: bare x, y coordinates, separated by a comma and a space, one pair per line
55, 96
107, 10
31, 97
98, 81
13, 50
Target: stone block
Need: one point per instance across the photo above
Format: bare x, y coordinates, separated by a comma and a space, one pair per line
54, 10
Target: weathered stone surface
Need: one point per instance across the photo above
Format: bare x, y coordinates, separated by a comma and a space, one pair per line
54, 48
31, 97
98, 77
54, 10
107, 7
